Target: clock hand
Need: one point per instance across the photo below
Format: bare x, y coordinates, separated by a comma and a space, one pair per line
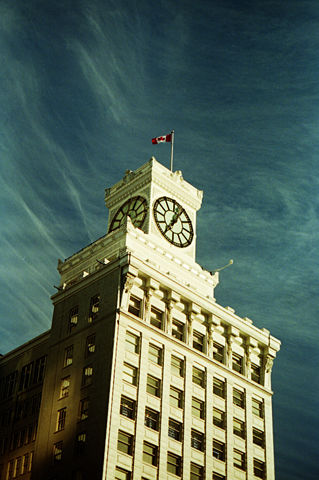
176, 216
174, 219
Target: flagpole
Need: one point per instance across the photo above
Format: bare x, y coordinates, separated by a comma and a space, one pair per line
172, 150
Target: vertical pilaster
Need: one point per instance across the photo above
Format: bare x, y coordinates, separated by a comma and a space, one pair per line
141, 402
187, 418
129, 275
209, 340
269, 440
229, 436
249, 438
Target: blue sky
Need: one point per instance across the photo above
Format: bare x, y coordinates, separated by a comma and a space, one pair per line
84, 86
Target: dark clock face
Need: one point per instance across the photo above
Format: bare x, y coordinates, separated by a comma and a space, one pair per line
135, 208
173, 222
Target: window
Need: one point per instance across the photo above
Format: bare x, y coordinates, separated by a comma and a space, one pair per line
150, 454
156, 318
21, 411
197, 472
218, 418
80, 442
87, 375
217, 476
198, 407
60, 423
127, 407
57, 452
73, 317
237, 364
65, 387
219, 450
14, 441
68, 356
132, 342
153, 386
176, 398
38, 373
257, 408
26, 375
25, 463
3, 445
219, 387
10, 469
135, 306
178, 330
90, 345
6, 417
174, 464
197, 440
125, 442
35, 404
239, 459
151, 419
155, 354
255, 373
238, 398
121, 474
198, 341
84, 409
34, 428
198, 377
177, 366
10, 384
258, 437
130, 374
259, 468
239, 428
30, 433
218, 352
175, 429
94, 308
76, 475
17, 467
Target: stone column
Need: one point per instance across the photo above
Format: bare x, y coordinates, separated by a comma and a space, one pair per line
147, 305
169, 308
209, 343
229, 350
189, 329
268, 361
129, 274
193, 311
247, 364
173, 299
151, 286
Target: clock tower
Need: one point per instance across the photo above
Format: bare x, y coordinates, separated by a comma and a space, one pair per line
160, 203
146, 375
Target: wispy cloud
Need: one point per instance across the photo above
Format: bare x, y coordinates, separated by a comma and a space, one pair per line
83, 90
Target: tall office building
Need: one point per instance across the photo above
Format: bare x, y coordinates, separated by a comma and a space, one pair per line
146, 375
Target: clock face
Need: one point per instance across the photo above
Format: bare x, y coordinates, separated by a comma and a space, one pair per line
173, 222
135, 208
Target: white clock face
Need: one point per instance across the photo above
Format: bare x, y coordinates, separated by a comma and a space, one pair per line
173, 222
135, 208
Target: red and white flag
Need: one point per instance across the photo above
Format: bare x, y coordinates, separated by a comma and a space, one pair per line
162, 139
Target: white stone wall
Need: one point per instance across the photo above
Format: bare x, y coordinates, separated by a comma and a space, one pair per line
152, 293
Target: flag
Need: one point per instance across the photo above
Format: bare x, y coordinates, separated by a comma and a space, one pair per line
162, 139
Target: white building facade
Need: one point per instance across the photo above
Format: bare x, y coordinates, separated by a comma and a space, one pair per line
191, 379
147, 376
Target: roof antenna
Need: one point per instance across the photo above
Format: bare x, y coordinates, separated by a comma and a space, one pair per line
222, 268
